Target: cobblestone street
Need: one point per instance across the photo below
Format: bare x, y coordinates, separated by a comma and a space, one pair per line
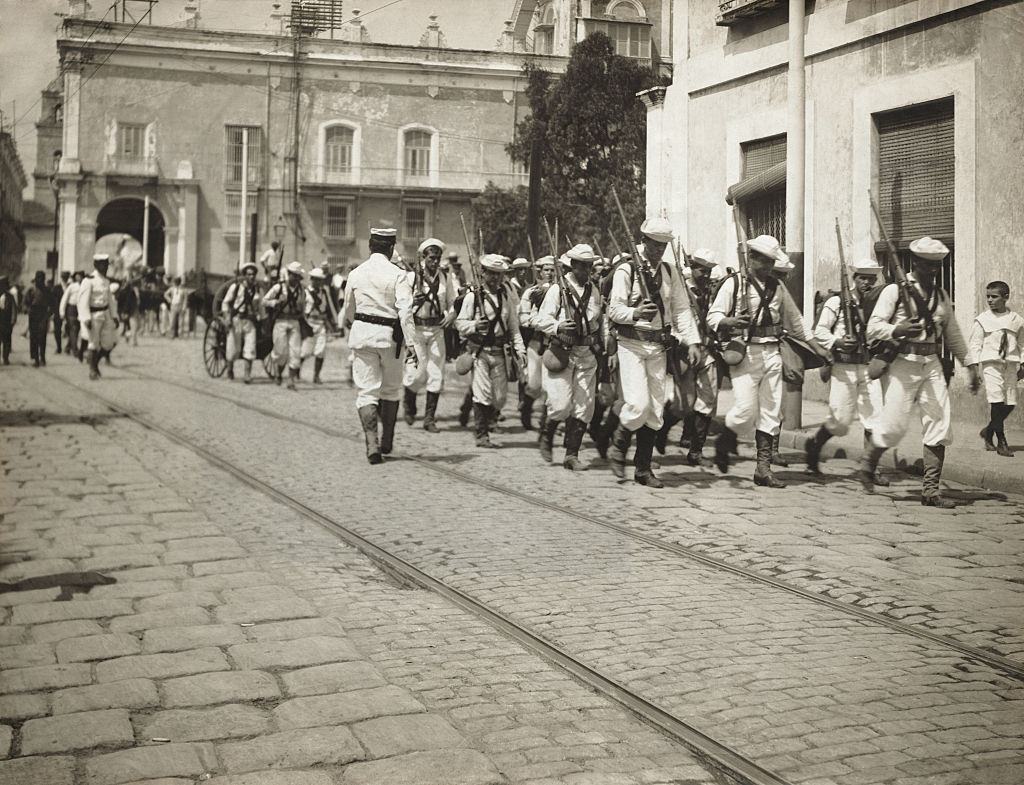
830, 637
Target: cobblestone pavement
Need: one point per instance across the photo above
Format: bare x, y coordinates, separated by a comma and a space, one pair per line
808, 691
241, 645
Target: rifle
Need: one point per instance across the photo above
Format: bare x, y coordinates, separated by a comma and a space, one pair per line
913, 305
556, 355
852, 328
679, 251
644, 289
533, 260
736, 349
466, 360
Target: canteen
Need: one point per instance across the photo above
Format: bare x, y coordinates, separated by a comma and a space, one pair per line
464, 362
556, 357
734, 352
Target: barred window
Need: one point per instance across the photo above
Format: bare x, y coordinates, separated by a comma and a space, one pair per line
337, 218
233, 154
131, 141
417, 153
338, 148
232, 207
416, 222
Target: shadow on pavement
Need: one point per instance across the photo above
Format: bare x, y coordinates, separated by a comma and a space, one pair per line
41, 418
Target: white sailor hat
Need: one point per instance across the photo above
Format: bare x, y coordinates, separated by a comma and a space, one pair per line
927, 248
782, 264
717, 273
865, 267
621, 257
544, 261
101, 257
766, 245
705, 257
494, 261
317, 272
248, 266
580, 253
431, 242
520, 263
295, 268
658, 229
383, 231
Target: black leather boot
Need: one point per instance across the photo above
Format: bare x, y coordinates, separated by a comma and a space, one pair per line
368, 417
931, 493
466, 408
482, 415
574, 430
603, 437
661, 437
867, 467
388, 417
725, 446
617, 452
642, 472
525, 408
879, 478
698, 435
596, 422
763, 473
430, 412
318, 365
777, 458
547, 439
812, 449
409, 406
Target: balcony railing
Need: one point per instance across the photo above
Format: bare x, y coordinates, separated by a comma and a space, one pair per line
146, 166
732, 11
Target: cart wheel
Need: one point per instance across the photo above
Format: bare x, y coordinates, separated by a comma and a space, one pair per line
268, 366
215, 340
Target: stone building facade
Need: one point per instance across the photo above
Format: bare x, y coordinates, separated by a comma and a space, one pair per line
12, 232
913, 99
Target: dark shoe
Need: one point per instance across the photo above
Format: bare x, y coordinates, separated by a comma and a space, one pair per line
293, 374
466, 409
318, 364
812, 449
619, 447
368, 418
526, 411
247, 379
986, 436
661, 437
763, 475
603, 436
697, 424
867, 468
1002, 448
231, 371
574, 430
881, 480
725, 445
482, 414
938, 500
430, 412
777, 458
388, 417
643, 473
409, 406
547, 439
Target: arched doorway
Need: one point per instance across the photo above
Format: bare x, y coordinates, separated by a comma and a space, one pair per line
125, 215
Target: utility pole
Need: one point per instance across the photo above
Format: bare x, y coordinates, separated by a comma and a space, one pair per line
242, 216
795, 156
297, 85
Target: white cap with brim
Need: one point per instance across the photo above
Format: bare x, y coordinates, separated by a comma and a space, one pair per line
783, 265
520, 263
704, 257
384, 232
316, 272
248, 266
495, 262
657, 229
431, 242
101, 257
766, 245
865, 267
930, 249
295, 268
581, 252
544, 261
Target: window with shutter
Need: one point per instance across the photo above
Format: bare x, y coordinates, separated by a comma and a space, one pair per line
765, 212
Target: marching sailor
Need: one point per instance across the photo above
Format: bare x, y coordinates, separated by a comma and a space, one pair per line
97, 313
287, 300
702, 263
652, 316
518, 279
430, 296
239, 306
571, 318
851, 392
531, 389
488, 321
917, 374
757, 379
316, 313
375, 338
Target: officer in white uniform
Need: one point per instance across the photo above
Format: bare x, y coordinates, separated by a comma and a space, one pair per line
287, 300
97, 313
851, 392
240, 308
430, 295
572, 321
645, 328
488, 320
315, 311
536, 342
757, 379
375, 337
916, 375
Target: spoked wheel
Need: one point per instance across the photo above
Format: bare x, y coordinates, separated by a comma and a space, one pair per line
215, 342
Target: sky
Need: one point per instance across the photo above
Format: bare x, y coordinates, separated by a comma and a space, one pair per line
28, 30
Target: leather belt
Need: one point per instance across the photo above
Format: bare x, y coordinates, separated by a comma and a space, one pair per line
923, 348
583, 340
493, 349
854, 358
98, 308
647, 336
774, 331
427, 321
371, 318
494, 342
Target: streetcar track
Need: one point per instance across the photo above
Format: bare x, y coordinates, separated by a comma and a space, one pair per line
1003, 664
715, 755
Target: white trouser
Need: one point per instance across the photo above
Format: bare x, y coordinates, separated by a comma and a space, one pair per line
287, 343
490, 379
852, 393
100, 331
316, 344
642, 371
241, 339
534, 377
757, 391
572, 390
707, 390
1000, 377
429, 344
909, 381
377, 375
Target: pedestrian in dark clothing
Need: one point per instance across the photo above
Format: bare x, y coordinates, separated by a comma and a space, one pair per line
38, 306
8, 316
56, 295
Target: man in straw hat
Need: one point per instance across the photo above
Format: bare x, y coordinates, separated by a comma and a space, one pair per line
428, 296
571, 317
916, 375
316, 311
531, 389
651, 315
240, 308
287, 300
757, 379
851, 392
488, 320
375, 338
97, 313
